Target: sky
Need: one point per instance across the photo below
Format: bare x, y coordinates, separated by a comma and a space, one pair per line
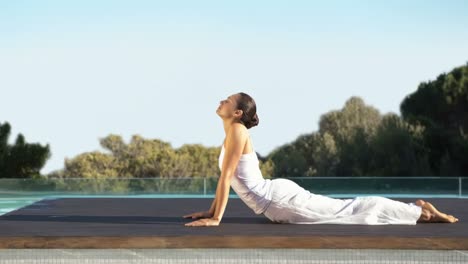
72, 72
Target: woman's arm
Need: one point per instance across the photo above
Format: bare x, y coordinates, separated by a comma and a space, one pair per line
213, 206
234, 145
235, 140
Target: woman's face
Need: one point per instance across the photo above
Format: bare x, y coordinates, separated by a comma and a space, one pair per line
227, 106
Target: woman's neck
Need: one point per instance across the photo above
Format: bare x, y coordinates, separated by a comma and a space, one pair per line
227, 125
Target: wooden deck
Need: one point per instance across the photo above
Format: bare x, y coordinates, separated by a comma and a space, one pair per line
158, 223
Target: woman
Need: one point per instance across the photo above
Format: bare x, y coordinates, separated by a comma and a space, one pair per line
282, 200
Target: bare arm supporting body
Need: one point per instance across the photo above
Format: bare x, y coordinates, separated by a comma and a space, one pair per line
213, 206
234, 146
222, 191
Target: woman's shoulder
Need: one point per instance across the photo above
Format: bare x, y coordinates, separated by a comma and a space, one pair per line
238, 131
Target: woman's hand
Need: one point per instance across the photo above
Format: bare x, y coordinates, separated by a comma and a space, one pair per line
204, 214
204, 222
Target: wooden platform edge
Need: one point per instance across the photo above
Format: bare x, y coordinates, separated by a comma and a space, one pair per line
313, 242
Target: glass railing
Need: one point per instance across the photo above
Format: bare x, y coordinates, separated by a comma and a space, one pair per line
206, 186
389, 186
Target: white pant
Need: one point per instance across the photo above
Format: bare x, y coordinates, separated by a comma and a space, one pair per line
293, 204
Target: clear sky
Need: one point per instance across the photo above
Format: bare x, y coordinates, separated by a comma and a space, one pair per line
72, 72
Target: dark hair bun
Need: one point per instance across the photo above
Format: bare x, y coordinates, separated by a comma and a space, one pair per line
247, 104
252, 122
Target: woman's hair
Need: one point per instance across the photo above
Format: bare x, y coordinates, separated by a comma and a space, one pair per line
247, 105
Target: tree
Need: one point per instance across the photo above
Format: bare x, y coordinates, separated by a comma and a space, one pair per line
355, 141
441, 106
288, 161
21, 160
398, 149
147, 158
346, 136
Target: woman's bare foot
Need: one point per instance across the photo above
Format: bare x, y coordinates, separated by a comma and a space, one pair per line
420, 202
430, 214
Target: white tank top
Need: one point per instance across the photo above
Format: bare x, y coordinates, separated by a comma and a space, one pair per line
248, 182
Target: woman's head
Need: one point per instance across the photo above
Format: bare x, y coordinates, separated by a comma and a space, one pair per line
239, 107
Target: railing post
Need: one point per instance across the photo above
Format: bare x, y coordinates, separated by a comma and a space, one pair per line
459, 186
204, 186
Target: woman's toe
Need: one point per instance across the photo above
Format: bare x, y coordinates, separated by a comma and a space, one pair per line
420, 202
